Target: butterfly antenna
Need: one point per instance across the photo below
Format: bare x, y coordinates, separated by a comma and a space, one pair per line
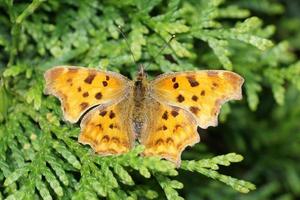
127, 43
162, 48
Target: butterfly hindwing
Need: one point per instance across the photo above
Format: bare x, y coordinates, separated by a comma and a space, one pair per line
168, 131
201, 92
81, 88
107, 129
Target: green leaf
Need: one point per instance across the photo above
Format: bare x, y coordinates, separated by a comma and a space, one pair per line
59, 171
169, 187
14, 176
14, 70
279, 92
43, 190
51, 179
219, 48
60, 148
123, 174
252, 90
35, 95
5, 102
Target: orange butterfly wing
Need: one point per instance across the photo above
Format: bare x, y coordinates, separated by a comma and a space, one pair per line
81, 88
181, 101
107, 129
201, 92
168, 131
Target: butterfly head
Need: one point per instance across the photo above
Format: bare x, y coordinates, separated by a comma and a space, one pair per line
141, 75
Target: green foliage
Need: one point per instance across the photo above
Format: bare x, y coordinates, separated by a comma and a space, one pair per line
39, 153
46, 157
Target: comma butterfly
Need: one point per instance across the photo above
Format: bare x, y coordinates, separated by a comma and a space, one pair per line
163, 114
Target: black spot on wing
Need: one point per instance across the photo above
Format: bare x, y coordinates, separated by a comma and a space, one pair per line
104, 83
180, 98
112, 114
176, 128
89, 79
214, 85
85, 94
105, 139
194, 110
192, 80
165, 115
159, 142
84, 105
174, 113
194, 98
203, 93
176, 85
162, 128
115, 140
100, 127
169, 140
98, 95
103, 113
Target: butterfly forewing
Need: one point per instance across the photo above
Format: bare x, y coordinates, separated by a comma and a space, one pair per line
80, 88
201, 93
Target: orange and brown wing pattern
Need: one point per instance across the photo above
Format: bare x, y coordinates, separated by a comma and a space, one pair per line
81, 88
169, 130
107, 129
200, 92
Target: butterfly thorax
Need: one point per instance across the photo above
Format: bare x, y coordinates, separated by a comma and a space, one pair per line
140, 93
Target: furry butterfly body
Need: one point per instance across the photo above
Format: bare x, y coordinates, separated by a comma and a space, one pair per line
162, 114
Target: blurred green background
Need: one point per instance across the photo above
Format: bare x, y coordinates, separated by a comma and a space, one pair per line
234, 35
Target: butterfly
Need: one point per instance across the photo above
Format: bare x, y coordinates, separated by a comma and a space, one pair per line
163, 114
